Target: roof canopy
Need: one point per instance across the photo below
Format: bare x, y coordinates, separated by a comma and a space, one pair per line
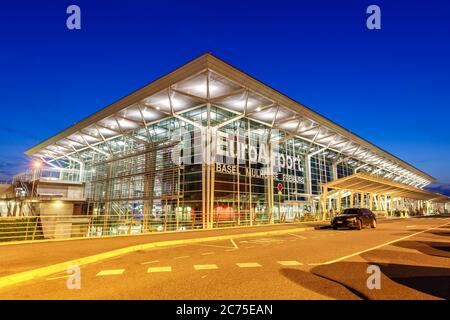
208, 79
363, 182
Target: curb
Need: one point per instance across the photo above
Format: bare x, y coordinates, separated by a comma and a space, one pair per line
60, 267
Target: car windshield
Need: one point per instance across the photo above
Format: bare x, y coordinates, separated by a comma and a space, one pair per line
351, 211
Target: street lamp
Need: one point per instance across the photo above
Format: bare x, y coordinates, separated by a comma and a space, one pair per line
37, 164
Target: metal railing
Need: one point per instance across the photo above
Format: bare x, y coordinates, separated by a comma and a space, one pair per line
49, 174
75, 226
20, 228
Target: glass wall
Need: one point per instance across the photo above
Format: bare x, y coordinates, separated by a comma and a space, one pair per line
204, 171
150, 186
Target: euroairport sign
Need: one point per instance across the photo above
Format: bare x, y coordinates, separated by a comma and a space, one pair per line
230, 152
229, 147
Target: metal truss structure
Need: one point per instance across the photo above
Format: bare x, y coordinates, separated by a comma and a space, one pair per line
208, 81
125, 156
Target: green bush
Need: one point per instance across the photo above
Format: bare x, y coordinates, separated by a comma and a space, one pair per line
19, 229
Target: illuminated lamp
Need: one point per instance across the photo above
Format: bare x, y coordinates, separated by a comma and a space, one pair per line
37, 164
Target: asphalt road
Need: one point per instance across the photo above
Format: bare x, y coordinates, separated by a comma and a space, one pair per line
412, 254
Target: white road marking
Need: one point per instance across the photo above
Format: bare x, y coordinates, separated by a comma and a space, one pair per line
148, 262
383, 245
209, 245
206, 253
411, 226
181, 257
262, 241
234, 244
290, 263
234, 249
112, 272
205, 266
298, 236
159, 269
249, 247
248, 265
314, 264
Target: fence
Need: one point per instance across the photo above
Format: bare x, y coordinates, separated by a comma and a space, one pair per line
74, 226
20, 228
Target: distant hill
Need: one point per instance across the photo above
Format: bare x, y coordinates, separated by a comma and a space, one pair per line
439, 188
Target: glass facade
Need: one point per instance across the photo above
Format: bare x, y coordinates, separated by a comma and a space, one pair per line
213, 172
206, 152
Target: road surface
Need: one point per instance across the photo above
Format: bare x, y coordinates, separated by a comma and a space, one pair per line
412, 254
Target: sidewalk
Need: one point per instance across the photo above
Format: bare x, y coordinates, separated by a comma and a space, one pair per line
21, 257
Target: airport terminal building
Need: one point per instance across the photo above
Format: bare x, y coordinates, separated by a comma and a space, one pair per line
209, 146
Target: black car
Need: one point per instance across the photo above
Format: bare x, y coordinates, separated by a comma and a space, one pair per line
354, 218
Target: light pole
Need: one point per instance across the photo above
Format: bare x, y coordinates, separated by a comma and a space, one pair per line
280, 189
36, 166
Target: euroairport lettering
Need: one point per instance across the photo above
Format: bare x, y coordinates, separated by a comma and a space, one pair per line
226, 148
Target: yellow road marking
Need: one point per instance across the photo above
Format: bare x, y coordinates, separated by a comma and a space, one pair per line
56, 278
159, 269
112, 272
16, 278
148, 262
210, 245
248, 265
290, 263
205, 266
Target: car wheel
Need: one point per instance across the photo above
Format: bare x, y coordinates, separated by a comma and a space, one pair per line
359, 225
334, 228
373, 224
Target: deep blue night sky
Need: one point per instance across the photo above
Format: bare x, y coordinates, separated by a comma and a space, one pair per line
390, 86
